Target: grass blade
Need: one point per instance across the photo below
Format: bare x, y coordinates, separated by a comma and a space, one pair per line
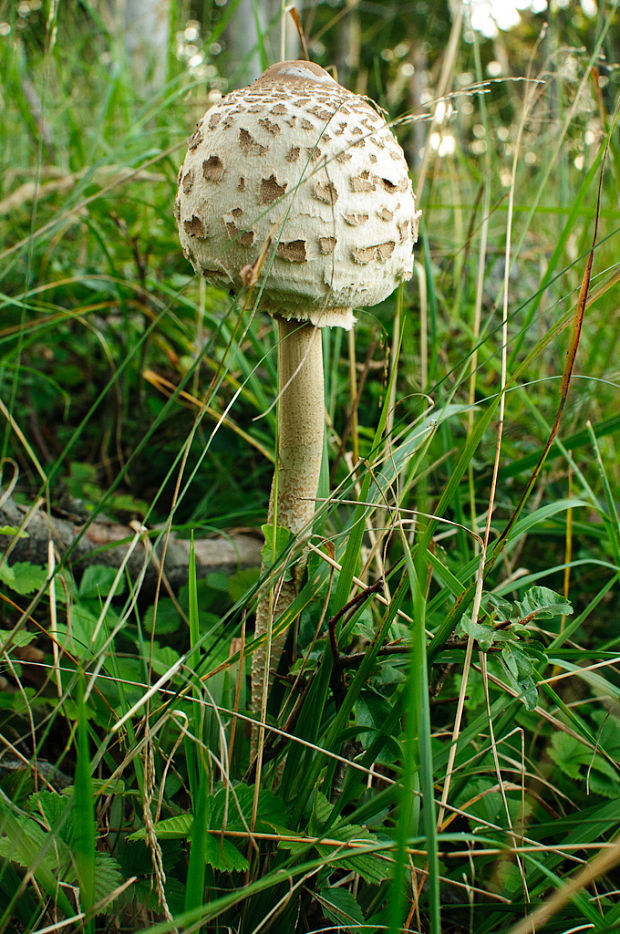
84, 827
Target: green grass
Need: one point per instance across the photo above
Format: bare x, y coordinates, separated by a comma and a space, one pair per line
442, 756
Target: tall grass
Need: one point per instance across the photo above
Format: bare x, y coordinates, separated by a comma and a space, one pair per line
443, 754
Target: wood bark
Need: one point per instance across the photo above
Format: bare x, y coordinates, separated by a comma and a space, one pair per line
106, 543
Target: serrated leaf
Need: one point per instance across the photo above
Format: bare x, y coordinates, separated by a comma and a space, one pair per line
23, 577
23, 838
175, 895
271, 816
321, 810
574, 759
608, 731
26, 844
271, 810
163, 658
341, 908
371, 866
55, 809
224, 855
7, 575
84, 825
601, 785
108, 878
219, 853
178, 827
22, 637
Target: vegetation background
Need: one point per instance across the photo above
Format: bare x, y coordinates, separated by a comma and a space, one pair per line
454, 767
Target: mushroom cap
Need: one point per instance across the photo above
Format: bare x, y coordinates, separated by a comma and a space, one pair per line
302, 182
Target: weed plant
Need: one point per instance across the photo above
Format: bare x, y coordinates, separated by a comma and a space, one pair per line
442, 755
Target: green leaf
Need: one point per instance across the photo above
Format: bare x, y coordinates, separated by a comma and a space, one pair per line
497, 606
277, 539
168, 619
97, 582
543, 603
567, 753
19, 638
321, 810
55, 808
84, 828
341, 908
23, 577
510, 661
519, 671
77, 639
218, 581
108, 878
56, 847
163, 658
219, 853
25, 843
13, 531
576, 761
370, 866
271, 813
483, 633
241, 583
224, 855
178, 827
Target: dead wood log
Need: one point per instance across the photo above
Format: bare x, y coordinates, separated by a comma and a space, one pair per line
107, 543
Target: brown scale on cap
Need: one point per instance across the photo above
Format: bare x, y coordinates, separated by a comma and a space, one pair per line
248, 144
194, 227
294, 251
272, 128
270, 190
213, 169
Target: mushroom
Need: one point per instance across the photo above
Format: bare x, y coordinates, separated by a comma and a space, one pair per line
301, 183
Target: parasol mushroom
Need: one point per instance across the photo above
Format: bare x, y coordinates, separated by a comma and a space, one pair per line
301, 182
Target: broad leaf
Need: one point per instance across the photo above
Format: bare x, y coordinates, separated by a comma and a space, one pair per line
97, 582
23, 577
543, 604
341, 908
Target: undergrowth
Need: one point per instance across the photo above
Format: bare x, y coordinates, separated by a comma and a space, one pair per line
442, 754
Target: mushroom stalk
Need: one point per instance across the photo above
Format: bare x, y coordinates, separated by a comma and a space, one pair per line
300, 449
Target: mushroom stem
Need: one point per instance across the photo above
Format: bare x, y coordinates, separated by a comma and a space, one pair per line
300, 449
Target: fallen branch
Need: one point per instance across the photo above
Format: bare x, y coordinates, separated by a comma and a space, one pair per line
106, 543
